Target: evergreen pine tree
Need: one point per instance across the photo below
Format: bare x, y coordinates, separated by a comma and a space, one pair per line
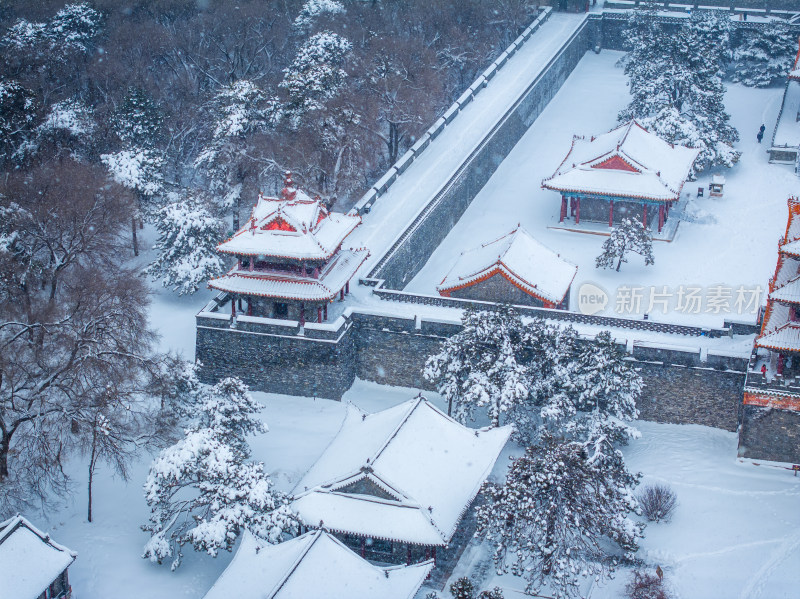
203, 491
462, 589
676, 86
558, 516
765, 55
187, 246
628, 236
480, 366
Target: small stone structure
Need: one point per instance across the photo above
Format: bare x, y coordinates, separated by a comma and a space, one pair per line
513, 269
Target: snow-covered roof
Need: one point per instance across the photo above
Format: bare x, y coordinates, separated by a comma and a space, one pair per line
627, 162
786, 338
788, 292
293, 226
312, 565
29, 559
287, 285
787, 131
518, 257
404, 474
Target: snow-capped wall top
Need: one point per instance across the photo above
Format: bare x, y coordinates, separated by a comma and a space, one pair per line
293, 226
29, 559
525, 262
312, 565
407, 474
627, 162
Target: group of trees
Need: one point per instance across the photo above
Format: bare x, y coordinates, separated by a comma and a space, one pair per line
563, 512
675, 79
203, 490
220, 100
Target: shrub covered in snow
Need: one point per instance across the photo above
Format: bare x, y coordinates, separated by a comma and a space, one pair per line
203, 491
462, 589
644, 585
658, 502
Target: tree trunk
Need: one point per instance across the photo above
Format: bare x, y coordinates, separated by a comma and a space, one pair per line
92, 463
619, 262
5, 444
135, 239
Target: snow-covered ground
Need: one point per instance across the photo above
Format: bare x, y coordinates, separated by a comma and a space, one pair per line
734, 534
736, 529
732, 245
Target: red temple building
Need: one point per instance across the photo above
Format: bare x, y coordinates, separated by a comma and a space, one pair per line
780, 330
514, 268
625, 173
290, 262
770, 415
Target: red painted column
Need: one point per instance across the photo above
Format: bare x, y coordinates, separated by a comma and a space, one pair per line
233, 307
249, 306
644, 215
347, 287
341, 293
319, 314
325, 311
577, 211
563, 209
660, 217
611, 213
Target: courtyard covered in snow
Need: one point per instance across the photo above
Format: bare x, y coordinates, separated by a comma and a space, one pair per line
721, 244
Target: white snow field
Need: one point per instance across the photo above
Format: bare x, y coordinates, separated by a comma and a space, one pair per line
731, 243
735, 533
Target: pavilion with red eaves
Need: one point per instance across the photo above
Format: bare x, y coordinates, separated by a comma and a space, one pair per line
625, 173
290, 263
780, 329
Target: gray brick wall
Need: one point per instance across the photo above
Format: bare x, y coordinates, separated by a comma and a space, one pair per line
769, 434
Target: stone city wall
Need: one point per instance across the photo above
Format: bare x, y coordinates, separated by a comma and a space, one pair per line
770, 434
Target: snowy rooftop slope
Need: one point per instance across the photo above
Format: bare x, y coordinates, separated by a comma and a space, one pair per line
298, 228
406, 474
786, 337
626, 162
312, 565
29, 559
534, 268
787, 132
286, 285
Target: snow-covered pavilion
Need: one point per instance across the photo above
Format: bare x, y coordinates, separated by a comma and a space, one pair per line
32, 565
625, 173
786, 137
290, 261
514, 268
312, 565
397, 482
